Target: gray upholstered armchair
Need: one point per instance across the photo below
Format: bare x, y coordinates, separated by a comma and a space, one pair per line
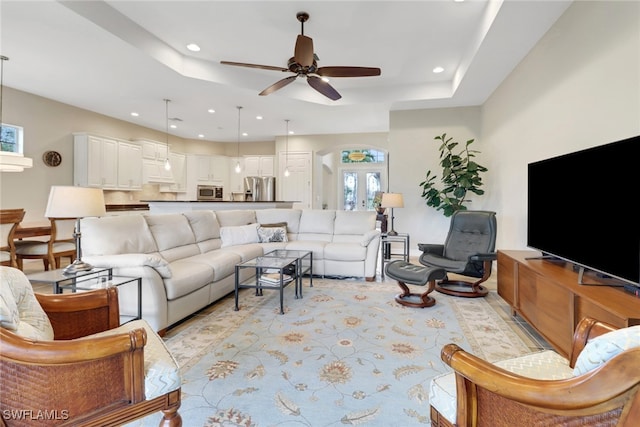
469, 250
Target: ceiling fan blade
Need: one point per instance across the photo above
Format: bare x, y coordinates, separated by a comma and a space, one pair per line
278, 85
263, 67
303, 53
348, 71
323, 87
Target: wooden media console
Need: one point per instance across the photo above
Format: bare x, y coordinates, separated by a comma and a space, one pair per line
548, 296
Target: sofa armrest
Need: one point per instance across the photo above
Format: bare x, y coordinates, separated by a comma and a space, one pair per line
368, 237
586, 330
132, 260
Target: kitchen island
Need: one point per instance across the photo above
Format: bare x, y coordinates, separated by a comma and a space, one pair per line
177, 206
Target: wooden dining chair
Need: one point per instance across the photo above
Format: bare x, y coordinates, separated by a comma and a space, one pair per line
61, 243
9, 220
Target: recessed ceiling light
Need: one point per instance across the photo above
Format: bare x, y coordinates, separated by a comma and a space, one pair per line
245, 134
258, 117
438, 70
173, 126
134, 114
193, 47
200, 135
291, 132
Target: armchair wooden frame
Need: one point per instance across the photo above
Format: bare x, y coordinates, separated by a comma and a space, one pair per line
490, 396
15, 217
94, 381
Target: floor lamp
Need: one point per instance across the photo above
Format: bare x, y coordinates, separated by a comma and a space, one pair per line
392, 200
75, 202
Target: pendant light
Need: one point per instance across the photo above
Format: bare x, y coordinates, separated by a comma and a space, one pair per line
167, 164
10, 161
238, 167
286, 151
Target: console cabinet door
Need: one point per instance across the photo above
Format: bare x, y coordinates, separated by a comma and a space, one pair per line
129, 162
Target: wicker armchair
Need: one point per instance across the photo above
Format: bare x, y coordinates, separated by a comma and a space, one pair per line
516, 392
73, 365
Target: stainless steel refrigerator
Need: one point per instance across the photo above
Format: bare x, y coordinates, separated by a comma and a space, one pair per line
260, 188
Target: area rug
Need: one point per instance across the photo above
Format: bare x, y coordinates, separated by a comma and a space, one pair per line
346, 353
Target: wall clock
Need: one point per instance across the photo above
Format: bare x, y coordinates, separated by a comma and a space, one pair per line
52, 158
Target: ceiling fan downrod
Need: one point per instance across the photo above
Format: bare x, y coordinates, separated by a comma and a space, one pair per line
302, 17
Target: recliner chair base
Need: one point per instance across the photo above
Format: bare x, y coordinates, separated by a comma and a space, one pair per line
459, 288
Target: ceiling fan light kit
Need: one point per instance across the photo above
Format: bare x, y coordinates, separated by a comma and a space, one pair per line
304, 63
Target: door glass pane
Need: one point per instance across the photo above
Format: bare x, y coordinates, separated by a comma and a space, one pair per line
350, 196
373, 186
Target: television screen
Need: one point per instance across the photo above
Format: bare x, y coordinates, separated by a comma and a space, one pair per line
581, 208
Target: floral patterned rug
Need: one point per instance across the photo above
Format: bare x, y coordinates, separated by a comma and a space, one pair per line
346, 353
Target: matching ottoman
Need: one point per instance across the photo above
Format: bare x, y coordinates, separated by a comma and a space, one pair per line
405, 272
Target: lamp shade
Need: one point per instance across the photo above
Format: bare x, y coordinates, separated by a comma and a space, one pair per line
392, 200
74, 202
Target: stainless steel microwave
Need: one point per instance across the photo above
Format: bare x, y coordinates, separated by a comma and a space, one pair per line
210, 192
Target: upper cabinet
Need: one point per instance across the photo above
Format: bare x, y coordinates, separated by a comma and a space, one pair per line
178, 163
95, 163
212, 169
129, 171
154, 155
258, 166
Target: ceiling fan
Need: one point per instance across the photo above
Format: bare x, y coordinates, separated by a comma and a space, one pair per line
304, 63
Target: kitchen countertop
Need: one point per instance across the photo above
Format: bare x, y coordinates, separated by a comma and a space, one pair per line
127, 207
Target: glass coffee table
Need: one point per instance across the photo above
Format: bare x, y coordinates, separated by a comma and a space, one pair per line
276, 270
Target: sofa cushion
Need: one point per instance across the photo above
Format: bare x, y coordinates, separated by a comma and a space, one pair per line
221, 262
315, 246
119, 234
236, 217
345, 251
239, 235
170, 230
273, 216
245, 252
272, 234
604, 347
186, 277
204, 224
354, 222
317, 222
20, 311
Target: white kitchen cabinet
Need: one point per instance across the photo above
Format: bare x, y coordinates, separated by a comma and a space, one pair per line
178, 163
212, 169
154, 155
258, 166
95, 161
129, 162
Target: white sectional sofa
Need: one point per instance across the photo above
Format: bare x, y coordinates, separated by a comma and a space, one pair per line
187, 260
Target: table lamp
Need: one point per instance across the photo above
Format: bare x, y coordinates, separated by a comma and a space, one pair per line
392, 200
75, 202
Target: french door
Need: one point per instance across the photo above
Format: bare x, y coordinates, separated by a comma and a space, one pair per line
359, 186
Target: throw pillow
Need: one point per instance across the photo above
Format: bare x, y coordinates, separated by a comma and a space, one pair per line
272, 234
239, 235
604, 347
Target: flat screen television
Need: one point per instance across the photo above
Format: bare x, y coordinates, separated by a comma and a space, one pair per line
582, 209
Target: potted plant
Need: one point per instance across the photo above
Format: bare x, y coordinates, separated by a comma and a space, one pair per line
460, 174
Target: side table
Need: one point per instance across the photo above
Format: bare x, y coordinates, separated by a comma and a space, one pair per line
97, 278
387, 249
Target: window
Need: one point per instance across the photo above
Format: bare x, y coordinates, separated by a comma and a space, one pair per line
11, 138
362, 156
